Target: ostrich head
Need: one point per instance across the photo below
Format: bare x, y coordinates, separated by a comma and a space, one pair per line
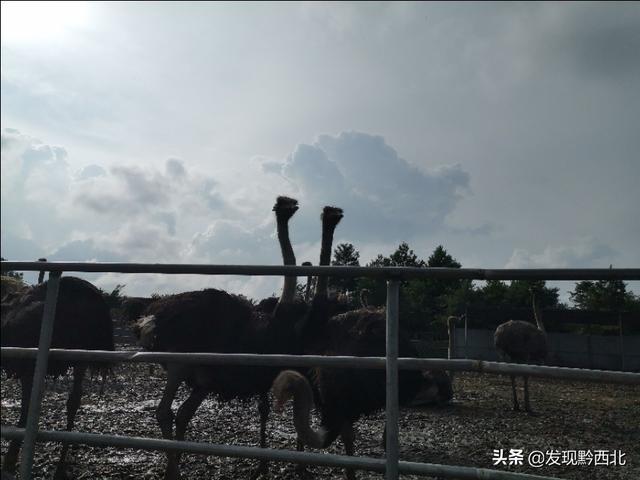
285, 207
332, 215
330, 218
284, 387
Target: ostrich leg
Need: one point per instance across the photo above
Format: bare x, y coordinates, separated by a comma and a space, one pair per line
184, 415
348, 435
73, 404
11, 457
516, 407
527, 405
263, 409
165, 416
383, 442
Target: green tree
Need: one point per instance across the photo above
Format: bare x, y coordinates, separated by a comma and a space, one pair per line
604, 295
519, 294
430, 297
422, 300
457, 300
347, 255
403, 256
493, 294
440, 258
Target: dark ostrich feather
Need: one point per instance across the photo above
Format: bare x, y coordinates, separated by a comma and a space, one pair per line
344, 395
82, 321
214, 321
521, 342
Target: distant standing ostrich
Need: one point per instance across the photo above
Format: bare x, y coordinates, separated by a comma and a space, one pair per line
82, 321
215, 321
521, 342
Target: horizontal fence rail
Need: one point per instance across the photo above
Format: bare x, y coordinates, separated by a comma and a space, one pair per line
398, 273
460, 365
305, 458
391, 464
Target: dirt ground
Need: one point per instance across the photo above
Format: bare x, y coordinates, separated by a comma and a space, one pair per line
571, 416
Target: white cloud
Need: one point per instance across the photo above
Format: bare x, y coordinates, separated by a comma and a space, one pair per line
174, 215
382, 193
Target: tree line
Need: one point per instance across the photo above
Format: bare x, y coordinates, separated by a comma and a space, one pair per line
426, 303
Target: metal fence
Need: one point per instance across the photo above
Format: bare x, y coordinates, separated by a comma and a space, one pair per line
391, 465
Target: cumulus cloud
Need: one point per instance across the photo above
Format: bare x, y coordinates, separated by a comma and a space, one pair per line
175, 168
178, 214
90, 171
34, 180
123, 209
381, 192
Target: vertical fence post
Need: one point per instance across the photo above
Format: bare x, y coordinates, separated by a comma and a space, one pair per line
451, 350
466, 340
622, 365
393, 448
590, 345
46, 331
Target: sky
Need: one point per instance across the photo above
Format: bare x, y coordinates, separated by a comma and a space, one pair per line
163, 132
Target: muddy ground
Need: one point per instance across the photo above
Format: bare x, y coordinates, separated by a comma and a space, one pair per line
572, 416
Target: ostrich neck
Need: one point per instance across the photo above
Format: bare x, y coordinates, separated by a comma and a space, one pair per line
302, 402
325, 258
307, 292
538, 315
288, 258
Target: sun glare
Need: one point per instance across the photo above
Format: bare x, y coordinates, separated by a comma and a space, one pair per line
40, 21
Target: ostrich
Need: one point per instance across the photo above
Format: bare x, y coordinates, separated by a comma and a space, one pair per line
342, 395
82, 321
215, 321
521, 342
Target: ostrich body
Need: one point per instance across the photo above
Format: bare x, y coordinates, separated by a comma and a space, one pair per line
342, 396
215, 321
82, 321
522, 342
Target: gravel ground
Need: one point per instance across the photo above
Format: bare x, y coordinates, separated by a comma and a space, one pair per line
571, 416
